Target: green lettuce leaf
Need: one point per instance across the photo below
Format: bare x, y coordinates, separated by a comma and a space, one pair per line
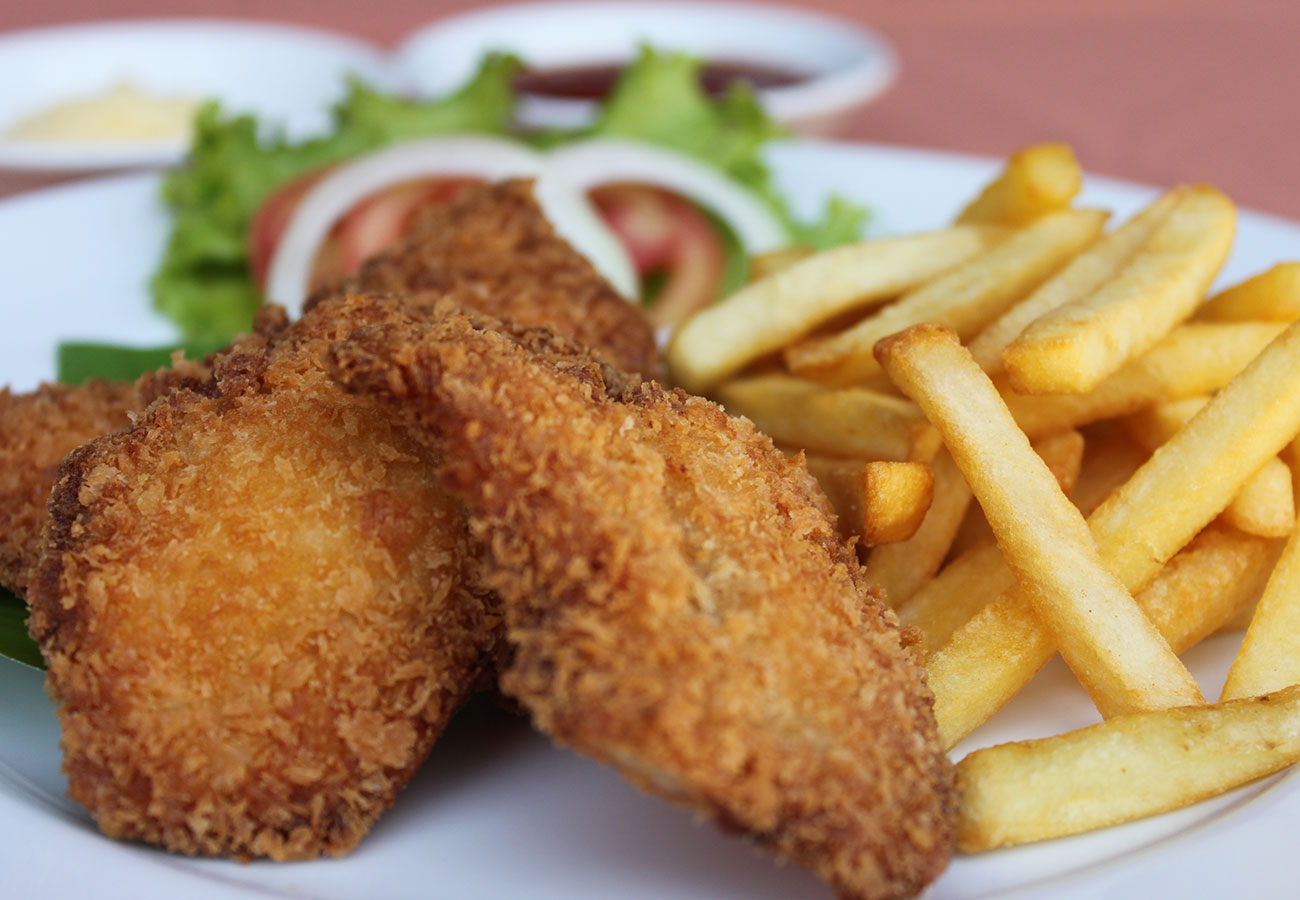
203, 283
14, 640
78, 362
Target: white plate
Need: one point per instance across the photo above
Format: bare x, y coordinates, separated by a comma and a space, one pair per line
497, 812
287, 74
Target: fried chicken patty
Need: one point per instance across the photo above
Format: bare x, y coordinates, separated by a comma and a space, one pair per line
252, 608
679, 604
459, 250
38, 429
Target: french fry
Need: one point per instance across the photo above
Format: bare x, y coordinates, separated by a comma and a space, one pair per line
1196, 473
980, 574
1156, 424
1081, 276
990, 657
1196, 358
1208, 583
903, 567
896, 499
1072, 348
1273, 296
1036, 180
768, 314
1114, 650
1171, 497
1265, 505
953, 597
1123, 769
966, 299
1110, 459
855, 422
880, 501
1269, 658
765, 264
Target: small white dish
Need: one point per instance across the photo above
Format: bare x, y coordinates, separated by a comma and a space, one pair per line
289, 75
844, 65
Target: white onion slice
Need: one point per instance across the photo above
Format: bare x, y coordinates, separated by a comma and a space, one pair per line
573, 216
592, 163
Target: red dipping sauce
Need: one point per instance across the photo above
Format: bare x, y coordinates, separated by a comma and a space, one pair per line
594, 82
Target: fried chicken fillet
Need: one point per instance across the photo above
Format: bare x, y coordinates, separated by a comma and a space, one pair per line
255, 602
459, 250
492, 249
252, 610
678, 601
38, 429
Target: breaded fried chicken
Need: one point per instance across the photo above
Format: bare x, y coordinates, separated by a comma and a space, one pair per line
679, 604
40, 428
492, 249
252, 608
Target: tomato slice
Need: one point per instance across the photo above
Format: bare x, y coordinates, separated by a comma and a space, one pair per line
671, 242
370, 227
273, 218
378, 221
668, 238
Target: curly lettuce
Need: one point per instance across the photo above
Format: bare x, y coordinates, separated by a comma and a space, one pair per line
203, 283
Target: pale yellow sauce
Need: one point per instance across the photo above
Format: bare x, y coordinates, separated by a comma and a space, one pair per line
122, 113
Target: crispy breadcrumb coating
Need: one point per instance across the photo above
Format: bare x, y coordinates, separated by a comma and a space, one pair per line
38, 429
252, 609
679, 604
459, 250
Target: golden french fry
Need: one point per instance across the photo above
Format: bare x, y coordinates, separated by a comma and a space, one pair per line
1082, 276
1062, 453
1156, 424
1197, 472
1114, 650
1129, 767
1036, 180
979, 574
1273, 295
897, 497
1269, 658
1141, 525
965, 299
1072, 348
854, 422
1208, 583
903, 567
990, 657
1196, 358
1265, 505
765, 264
1109, 460
880, 501
769, 314
951, 598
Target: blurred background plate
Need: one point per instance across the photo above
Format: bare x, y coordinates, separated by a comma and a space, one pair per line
822, 67
290, 75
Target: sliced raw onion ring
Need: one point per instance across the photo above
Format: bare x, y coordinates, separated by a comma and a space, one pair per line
600, 161
572, 215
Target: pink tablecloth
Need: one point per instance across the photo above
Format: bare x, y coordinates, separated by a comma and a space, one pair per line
1156, 90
